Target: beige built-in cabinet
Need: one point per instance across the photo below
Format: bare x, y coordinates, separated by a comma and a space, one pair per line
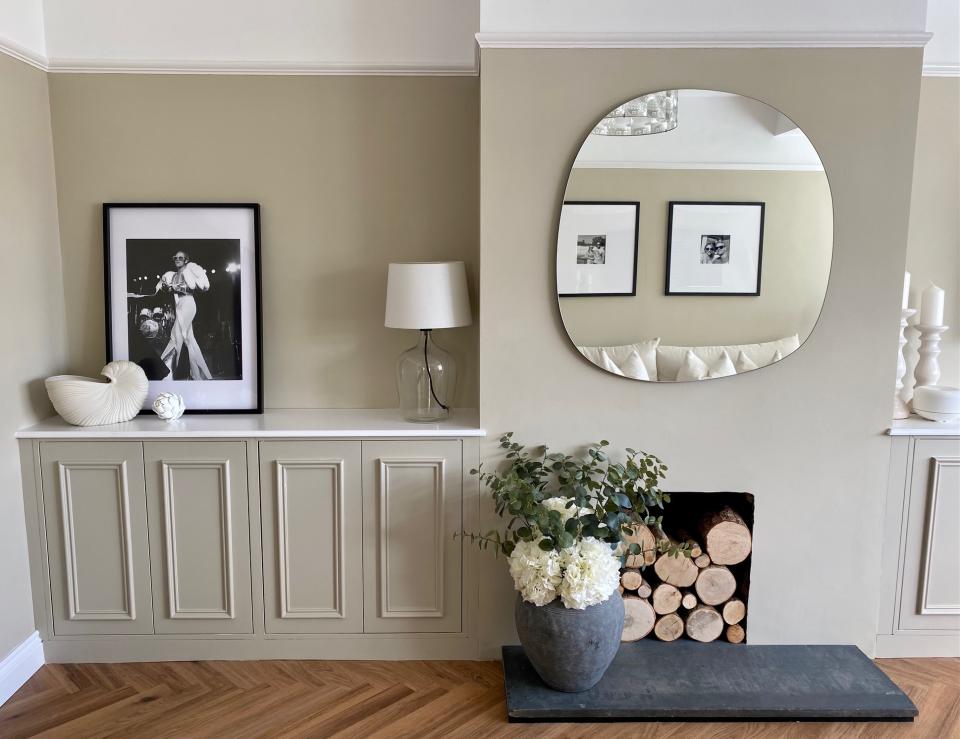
920, 605
185, 548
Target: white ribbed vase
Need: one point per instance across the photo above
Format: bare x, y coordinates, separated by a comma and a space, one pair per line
85, 401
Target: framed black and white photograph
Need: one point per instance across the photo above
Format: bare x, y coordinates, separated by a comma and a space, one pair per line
714, 248
597, 249
183, 300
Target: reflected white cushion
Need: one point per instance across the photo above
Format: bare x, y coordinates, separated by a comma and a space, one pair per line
619, 354
693, 368
744, 363
670, 358
634, 367
608, 364
724, 367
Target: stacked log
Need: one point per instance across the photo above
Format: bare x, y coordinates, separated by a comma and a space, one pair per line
666, 599
700, 594
638, 618
642, 536
669, 627
726, 536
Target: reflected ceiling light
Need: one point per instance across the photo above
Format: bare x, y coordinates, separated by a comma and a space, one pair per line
653, 113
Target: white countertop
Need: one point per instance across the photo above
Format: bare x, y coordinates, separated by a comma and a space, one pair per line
307, 423
916, 426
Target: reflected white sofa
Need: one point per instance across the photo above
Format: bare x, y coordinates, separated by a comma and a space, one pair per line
664, 362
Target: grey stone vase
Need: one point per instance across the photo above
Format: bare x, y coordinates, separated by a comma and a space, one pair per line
570, 649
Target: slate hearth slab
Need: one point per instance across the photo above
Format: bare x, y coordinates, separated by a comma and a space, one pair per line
658, 681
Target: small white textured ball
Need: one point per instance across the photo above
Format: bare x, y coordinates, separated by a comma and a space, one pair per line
169, 406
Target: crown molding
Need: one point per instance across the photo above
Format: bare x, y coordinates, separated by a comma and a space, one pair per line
739, 166
941, 70
238, 67
24, 54
700, 40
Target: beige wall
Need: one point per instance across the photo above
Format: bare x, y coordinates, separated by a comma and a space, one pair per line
797, 241
32, 306
805, 436
351, 173
933, 246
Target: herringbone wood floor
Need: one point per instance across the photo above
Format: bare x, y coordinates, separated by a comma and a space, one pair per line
378, 699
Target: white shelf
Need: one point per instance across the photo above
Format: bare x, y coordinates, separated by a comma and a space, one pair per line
302, 424
916, 426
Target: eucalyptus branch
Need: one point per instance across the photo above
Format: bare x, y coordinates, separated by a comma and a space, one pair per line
605, 498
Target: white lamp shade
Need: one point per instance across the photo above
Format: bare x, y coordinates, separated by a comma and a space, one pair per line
427, 295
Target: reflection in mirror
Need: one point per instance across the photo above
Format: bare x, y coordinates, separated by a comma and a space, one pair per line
695, 238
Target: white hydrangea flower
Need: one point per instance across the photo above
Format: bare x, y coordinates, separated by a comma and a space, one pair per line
559, 505
536, 573
591, 573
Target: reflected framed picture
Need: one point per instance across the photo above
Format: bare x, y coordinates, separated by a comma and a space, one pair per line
714, 248
597, 249
182, 292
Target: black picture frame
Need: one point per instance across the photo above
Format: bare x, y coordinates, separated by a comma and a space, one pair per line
108, 209
635, 242
670, 248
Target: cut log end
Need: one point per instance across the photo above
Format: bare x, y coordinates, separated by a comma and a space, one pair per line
643, 536
666, 599
726, 537
734, 611
678, 571
638, 619
631, 579
668, 627
689, 601
736, 634
704, 624
715, 585
702, 561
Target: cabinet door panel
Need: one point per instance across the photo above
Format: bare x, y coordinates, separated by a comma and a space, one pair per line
413, 506
199, 537
930, 593
96, 521
310, 508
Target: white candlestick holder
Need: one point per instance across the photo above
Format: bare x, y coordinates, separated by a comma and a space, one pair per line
927, 371
900, 408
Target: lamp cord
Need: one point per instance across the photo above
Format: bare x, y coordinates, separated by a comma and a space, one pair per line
426, 338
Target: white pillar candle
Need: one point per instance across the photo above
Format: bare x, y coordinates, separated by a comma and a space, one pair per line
906, 290
931, 306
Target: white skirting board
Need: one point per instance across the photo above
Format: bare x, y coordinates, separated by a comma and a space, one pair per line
18, 666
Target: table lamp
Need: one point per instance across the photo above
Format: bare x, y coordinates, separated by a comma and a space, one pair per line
425, 296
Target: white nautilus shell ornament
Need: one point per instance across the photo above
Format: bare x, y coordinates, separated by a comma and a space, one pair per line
169, 406
85, 401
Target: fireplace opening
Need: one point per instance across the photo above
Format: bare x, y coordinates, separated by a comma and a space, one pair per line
702, 596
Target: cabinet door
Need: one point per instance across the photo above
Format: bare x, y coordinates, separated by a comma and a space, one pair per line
930, 591
412, 507
199, 537
96, 520
311, 516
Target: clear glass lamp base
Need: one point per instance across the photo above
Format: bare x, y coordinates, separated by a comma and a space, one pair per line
426, 381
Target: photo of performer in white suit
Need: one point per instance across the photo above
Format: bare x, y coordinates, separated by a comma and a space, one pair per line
183, 281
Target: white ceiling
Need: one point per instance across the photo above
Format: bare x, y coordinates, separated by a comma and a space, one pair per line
714, 131
942, 54
692, 16
434, 36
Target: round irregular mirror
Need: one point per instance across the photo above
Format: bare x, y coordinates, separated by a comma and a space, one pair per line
695, 238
